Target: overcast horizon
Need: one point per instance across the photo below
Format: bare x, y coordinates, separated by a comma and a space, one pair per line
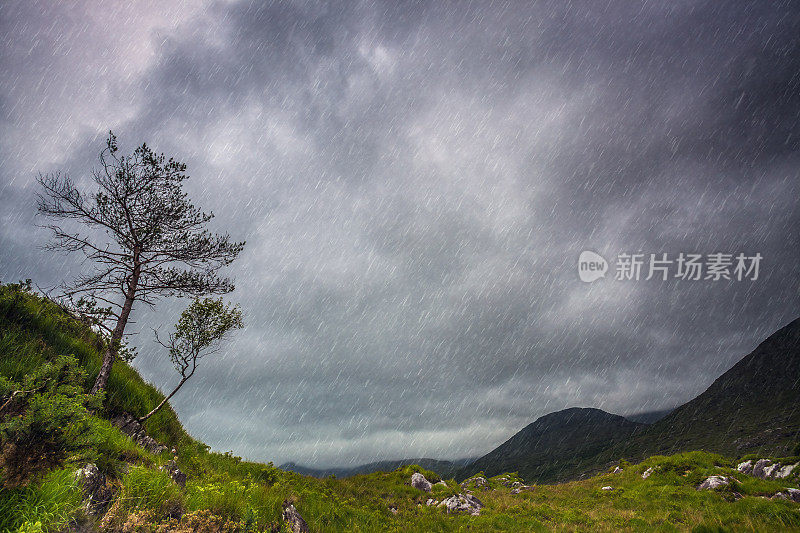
415, 182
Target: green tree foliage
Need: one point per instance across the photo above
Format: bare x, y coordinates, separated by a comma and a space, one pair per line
44, 421
199, 332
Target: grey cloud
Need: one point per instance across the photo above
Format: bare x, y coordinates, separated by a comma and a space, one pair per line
415, 182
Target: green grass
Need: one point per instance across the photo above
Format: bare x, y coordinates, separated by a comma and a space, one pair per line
250, 495
49, 503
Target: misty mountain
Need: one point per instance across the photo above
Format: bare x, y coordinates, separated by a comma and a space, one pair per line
751, 408
556, 445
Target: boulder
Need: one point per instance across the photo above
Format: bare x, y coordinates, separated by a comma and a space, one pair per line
646, 473
520, 488
479, 482
759, 469
713, 482
418, 481
293, 519
766, 469
794, 494
95, 492
607, 488
506, 482
771, 470
462, 503
745, 467
785, 471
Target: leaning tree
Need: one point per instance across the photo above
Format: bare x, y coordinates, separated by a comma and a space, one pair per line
199, 332
142, 234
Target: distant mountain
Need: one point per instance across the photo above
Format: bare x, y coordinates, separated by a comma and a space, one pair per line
446, 469
753, 407
556, 446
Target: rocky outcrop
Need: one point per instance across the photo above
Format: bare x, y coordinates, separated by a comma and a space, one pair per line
128, 424
792, 495
174, 472
713, 483
95, 491
646, 474
418, 481
462, 503
766, 469
293, 519
477, 482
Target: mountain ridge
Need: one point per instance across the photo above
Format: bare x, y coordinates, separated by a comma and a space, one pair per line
750, 408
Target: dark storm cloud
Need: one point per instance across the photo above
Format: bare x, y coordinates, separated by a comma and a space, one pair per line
415, 182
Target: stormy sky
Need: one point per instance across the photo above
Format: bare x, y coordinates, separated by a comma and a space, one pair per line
415, 182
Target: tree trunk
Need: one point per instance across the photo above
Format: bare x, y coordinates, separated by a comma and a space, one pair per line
110, 352
171, 394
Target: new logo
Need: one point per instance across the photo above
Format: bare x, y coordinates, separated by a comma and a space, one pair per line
591, 266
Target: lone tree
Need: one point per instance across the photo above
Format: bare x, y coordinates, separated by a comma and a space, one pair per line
199, 332
143, 235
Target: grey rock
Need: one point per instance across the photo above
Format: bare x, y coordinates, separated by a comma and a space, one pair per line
713, 482
617, 470
785, 471
174, 472
478, 481
293, 519
759, 469
771, 470
766, 469
646, 474
95, 492
745, 467
418, 481
128, 424
462, 503
794, 494
607, 488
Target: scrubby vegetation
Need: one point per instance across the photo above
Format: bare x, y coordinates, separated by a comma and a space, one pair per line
39, 344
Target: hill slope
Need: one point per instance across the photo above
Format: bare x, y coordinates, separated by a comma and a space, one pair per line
556, 446
753, 407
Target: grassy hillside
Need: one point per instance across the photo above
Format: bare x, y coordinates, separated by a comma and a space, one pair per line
443, 468
224, 493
